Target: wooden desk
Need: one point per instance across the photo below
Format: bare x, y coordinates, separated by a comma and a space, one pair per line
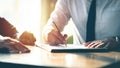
40, 57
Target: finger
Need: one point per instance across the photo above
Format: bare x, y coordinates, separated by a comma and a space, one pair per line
89, 45
92, 46
65, 36
106, 45
99, 45
95, 44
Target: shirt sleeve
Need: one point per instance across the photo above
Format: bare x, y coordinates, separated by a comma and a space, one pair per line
1, 38
61, 14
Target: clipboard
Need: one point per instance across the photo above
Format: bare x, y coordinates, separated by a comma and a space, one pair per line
70, 48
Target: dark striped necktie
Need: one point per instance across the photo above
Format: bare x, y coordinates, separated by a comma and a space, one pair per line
90, 28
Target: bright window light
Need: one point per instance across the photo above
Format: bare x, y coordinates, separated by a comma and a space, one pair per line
23, 14
29, 16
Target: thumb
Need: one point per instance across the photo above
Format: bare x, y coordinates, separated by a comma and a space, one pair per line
65, 36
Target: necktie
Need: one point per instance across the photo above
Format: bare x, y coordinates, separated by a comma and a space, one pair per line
90, 30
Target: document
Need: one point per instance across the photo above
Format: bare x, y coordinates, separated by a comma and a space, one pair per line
70, 48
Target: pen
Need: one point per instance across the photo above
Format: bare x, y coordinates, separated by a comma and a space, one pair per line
58, 30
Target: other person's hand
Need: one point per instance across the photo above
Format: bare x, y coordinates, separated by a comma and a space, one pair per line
13, 45
27, 38
106, 43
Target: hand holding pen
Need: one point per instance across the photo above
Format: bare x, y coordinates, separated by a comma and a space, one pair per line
53, 36
62, 37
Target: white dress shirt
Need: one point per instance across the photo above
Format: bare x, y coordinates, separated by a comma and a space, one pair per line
107, 17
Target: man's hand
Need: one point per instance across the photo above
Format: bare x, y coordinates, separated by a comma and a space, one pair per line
106, 43
54, 37
13, 45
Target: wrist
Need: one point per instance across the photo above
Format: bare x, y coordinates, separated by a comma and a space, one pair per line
117, 39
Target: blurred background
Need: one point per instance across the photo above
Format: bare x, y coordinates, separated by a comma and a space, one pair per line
28, 15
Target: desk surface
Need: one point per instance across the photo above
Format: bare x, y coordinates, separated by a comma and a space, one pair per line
40, 57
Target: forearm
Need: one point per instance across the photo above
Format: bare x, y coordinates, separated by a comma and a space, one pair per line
61, 14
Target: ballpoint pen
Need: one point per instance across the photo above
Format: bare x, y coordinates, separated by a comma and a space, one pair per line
58, 30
